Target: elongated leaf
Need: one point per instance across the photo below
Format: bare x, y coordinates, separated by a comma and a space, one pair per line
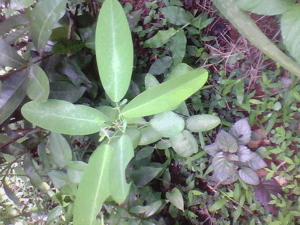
38, 84
144, 175
58, 178
241, 21
176, 15
13, 93
75, 170
64, 117
114, 50
218, 205
64, 46
150, 81
161, 38
176, 198
265, 7
123, 153
94, 187
34, 177
290, 26
166, 95
9, 56
43, 156
60, 149
160, 65
200, 123
64, 90
10, 193
13, 22
43, 19
178, 47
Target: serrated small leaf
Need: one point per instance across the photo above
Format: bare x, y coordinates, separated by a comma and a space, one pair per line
176, 15
167, 123
241, 131
245, 154
38, 84
60, 149
200, 123
226, 142
161, 38
150, 81
64, 117
256, 162
184, 144
218, 205
249, 176
176, 198
212, 149
224, 170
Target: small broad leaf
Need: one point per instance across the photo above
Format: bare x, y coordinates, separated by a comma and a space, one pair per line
164, 144
54, 214
179, 70
149, 135
165, 95
256, 162
290, 35
144, 175
226, 142
60, 149
64, 117
161, 38
218, 205
178, 47
263, 193
144, 153
75, 170
167, 123
95, 181
64, 90
200, 123
123, 153
241, 131
9, 56
114, 50
245, 154
58, 178
135, 136
176, 15
184, 144
153, 208
212, 149
265, 7
249, 176
224, 170
65, 46
43, 19
160, 65
176, 198
150, 81
13, 93
38, 84
32, 174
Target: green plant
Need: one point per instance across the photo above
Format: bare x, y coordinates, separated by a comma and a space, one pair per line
231, 157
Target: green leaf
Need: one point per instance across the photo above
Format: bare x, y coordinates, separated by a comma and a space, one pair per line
161, 38
236, 214
167, 123
184, 144
290, 24
160, 65
114, 50
178, 47
64, 46
176, 198
226, 142
13, 22
75, 170
200, 123
149, 135
43, 156
95, 182
249, 176
33, 175
239, 90
256, 162
176, 15
54, 214
60, 149
144, 175
265, 7
123, 153
166, 95
58, 178
135, 136
9, 56
179, 70
244, 24
38, 84
241, 131
64, 117
43, 19
13, 93
10, 193
153, 208
150, 81
218, 205
144, 153
64, 90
